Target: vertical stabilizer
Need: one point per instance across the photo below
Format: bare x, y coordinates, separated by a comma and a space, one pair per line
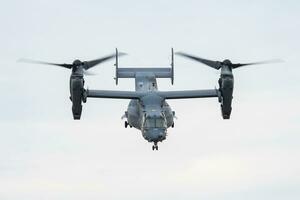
172, 66
117, 65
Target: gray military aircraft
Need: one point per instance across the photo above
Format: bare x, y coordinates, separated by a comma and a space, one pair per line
148, 109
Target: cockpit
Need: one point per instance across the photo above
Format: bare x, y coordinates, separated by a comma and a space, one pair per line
155, 122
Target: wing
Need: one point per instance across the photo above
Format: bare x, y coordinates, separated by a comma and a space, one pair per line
187, 94
113, 94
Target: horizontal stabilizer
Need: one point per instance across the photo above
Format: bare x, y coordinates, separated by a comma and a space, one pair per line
131, 72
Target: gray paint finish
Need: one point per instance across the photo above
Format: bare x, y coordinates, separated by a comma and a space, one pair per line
148, 110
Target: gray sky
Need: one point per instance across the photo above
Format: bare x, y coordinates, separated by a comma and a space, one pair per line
44, 154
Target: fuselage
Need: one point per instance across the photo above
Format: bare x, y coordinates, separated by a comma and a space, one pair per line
151, 114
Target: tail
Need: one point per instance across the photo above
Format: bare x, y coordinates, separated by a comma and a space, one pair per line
117, 66
172, 66
159, 72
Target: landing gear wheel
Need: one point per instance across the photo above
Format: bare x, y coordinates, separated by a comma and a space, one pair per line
173, 125
155, 147
126, 124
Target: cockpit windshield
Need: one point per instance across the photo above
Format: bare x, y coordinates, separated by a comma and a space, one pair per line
155, 122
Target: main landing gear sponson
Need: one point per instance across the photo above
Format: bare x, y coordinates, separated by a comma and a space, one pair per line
155, 147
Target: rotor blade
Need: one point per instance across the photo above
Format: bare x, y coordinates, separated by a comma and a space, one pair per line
255, 63
92, 63
69, 66
210, 63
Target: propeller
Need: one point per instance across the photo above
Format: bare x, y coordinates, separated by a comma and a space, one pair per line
226, 80
219, 64
76, 63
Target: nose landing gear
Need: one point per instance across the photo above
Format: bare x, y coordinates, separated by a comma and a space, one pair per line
155, 147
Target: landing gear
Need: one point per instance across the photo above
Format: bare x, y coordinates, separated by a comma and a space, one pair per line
155, 147
173, 125
126, 124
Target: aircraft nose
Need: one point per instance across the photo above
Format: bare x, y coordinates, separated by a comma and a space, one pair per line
155, 134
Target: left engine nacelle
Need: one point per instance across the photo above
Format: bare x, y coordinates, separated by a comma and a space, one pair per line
226, 89
77, 92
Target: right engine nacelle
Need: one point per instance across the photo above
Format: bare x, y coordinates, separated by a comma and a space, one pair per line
226, 89
77, 95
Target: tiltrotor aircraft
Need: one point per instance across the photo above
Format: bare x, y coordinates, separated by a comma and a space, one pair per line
148, 109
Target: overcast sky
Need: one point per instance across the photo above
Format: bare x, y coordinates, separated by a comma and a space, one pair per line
45, 155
